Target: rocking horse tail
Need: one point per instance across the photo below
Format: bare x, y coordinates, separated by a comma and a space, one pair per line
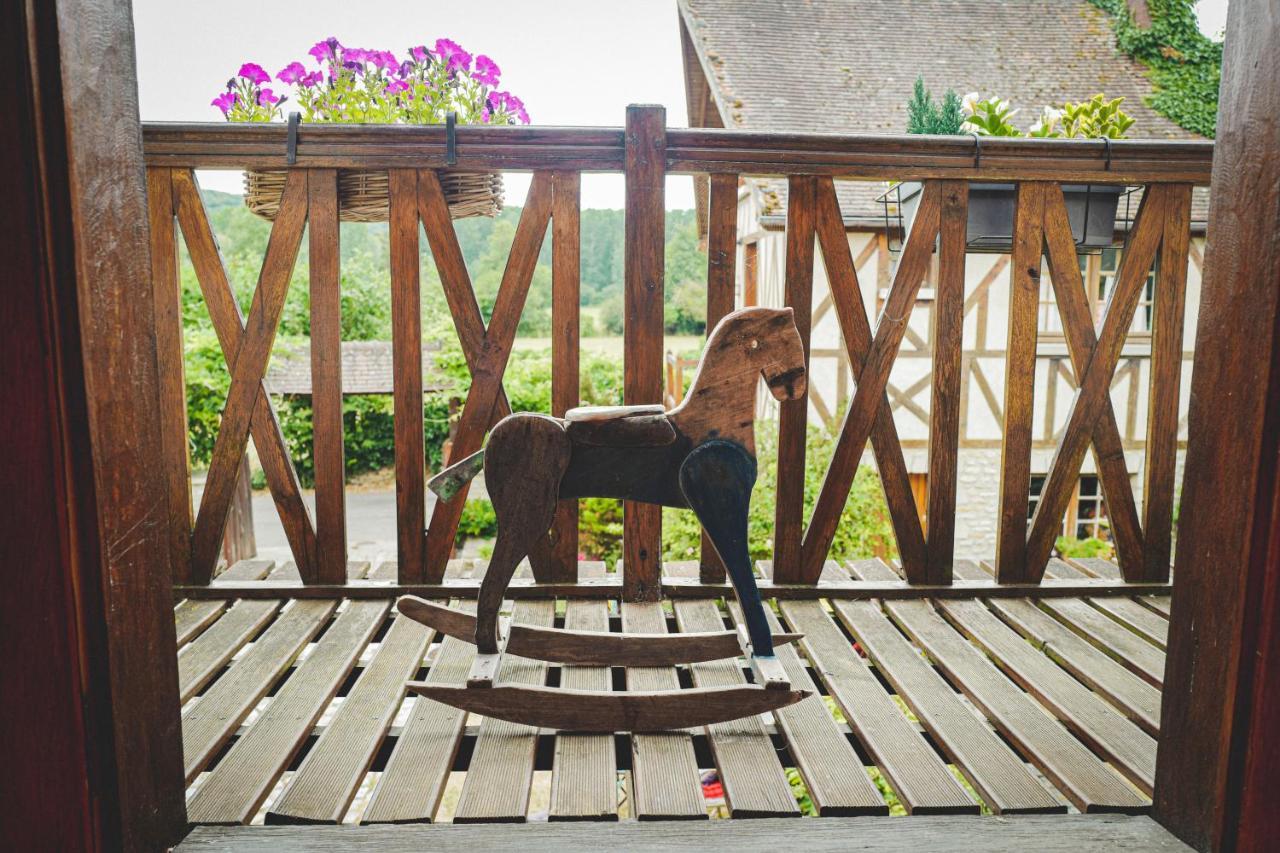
450, 481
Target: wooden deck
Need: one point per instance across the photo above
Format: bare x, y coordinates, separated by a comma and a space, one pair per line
294, 711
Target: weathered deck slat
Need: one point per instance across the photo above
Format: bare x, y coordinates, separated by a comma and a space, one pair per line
996, 773
831, 769
324, 785
1044, 833
920, 779
664, 771
1138, 619
754, 784
192, 617
1132, 696
211, 721
414, 779
245, 775
1091, 719
1110, 637
1067, 763
201, 660
584, 777
497, 784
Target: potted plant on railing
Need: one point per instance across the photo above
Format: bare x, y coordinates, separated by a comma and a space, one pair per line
350, 85
1091, 208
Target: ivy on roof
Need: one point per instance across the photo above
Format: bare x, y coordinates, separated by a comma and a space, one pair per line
1185, 65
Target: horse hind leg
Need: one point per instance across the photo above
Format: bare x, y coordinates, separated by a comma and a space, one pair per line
524, 462
717, 478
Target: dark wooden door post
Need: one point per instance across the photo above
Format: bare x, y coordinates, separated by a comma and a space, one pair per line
91, 740
1220, 724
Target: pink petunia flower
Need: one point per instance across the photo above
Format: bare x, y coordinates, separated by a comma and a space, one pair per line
267, 98
396, 87
311, 79
291, 73
224, 102
384, 59
420, 53
452, 54
325, 49
254, 73
486, 72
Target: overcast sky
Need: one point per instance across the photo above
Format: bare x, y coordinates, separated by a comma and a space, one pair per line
574, 62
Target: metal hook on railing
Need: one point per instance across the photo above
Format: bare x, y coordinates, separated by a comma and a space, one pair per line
977, 150
451, 139
1106, 141
291, 141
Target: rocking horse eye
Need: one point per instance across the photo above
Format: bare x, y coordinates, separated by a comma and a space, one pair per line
755, 345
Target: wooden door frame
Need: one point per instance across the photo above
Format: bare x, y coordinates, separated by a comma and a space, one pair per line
92, 735
1220, 721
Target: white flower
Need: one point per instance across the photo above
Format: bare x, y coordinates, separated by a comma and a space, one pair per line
970, 102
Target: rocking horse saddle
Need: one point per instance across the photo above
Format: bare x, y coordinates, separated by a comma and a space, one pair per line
619, 426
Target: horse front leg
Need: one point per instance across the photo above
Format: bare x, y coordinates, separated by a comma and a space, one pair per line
717, 478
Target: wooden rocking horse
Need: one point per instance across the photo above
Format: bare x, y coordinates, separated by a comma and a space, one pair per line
699, 456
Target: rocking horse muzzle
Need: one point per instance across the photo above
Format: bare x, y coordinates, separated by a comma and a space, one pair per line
787, 384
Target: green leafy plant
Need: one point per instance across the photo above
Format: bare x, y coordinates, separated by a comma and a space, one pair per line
1095, 118
1069, 546
989, 116
926, 116
478, 519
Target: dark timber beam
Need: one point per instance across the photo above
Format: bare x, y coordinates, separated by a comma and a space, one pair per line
1220, 724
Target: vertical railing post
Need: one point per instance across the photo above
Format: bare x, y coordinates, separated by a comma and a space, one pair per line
722, 255
406, 354
793, 417
645, 177
175, 459
326, 378
566, 274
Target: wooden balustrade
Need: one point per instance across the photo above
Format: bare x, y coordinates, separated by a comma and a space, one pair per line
646, 152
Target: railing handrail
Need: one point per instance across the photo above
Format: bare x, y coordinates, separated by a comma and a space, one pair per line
688, 151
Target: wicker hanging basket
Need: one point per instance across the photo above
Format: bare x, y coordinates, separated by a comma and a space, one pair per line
364, 196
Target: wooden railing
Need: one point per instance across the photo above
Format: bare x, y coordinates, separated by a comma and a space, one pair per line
645, 152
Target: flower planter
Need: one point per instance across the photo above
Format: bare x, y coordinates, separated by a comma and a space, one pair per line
1091, 209
364, 196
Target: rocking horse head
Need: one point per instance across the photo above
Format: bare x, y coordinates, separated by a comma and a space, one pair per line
763, 339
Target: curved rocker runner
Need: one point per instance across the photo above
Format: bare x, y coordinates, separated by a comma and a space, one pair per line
699, 456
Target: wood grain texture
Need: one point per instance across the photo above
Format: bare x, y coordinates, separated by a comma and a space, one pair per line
566, 299
1091, 719
1136, 618
1133, 697
832, 771
944, 404
406, 354
1164, 390
1048, 833
664, 770
324, 784
496, 789
1094, 386
754, 784
1218, 722
229, 326
1082, 340
192, 617
208, 724
846, 299
412, 783
491, 362
1020, 383
722, 256
175, 459
245, 776
919, 778
644, 167
1068, 764
996, 773
203, 658
584, 775
247, 373
1109, 637
874, 376
324, 255
793, 417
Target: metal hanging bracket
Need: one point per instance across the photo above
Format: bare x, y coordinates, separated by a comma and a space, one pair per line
977, 150
451, 139
1106, 141
291, 142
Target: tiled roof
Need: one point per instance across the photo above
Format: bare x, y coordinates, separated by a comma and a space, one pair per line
366, 369
848, 66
